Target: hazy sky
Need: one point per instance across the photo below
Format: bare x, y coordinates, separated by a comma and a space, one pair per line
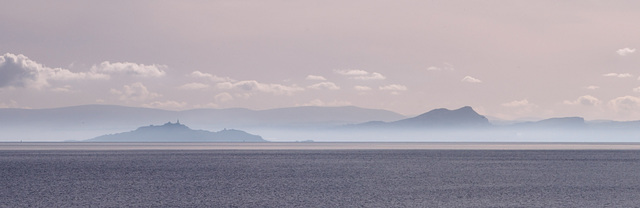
508, 59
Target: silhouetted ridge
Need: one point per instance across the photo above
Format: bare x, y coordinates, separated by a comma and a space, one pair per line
463, 117
176, 132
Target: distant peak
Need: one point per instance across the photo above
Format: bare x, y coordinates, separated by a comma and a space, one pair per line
466, 108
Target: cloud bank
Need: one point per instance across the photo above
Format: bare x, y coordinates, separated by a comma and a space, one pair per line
324, 86
253, 85
316, 77
586, 100
625, 51
470, 79
212, 77
361, 74
134, 92
129, 68
621, 75
394, 87
20, 71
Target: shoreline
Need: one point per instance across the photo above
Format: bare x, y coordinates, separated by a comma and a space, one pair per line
32, 146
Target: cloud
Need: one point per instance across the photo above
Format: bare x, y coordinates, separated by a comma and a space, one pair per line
625, 51
625, 75
352, 72
519, 107
445, 67
223, 97
593, 87
252, 85
625, 104
362, 88
517, 103
129, 68
315, 77
66, 88
324, 86
393, 87
20, 71
372, 76
193, 86
211, 77
169, 104
318, 102
361, 74
134, 92
470, 79
586, 100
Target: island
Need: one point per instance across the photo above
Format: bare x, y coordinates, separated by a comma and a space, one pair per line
177, 132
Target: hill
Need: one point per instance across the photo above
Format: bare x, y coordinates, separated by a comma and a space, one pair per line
177, 132
441, 118
445, 118
81, 122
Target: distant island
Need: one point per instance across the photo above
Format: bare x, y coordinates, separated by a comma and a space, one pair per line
320, 124
177, 132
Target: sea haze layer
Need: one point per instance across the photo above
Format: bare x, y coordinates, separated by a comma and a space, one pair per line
320, 178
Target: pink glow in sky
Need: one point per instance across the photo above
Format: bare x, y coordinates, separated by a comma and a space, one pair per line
507, 59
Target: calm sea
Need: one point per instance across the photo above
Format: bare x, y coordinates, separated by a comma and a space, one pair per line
320, 178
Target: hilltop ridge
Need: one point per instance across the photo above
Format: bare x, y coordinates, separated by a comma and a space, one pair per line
177, 132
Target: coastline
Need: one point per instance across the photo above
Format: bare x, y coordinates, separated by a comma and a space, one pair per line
31, 146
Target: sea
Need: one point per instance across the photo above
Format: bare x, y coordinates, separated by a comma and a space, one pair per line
321, 177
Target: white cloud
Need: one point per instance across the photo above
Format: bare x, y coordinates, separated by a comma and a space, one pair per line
625, 104
519, 107
593, 87
446, 67
586, 100
134, 92
372, 76
470, 79
20, 71
193, 86
625, 75
252, 85
393, 87
637, 89
362, 88
361, 74
211, 77
169, 104
324, 86
625, 51
223, 97
318, 102
129, 68
352, 72
517, 103
315, 77
66, 88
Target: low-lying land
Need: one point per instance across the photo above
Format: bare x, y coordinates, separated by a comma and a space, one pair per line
317, 146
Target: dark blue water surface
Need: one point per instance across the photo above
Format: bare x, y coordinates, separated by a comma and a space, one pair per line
320, 178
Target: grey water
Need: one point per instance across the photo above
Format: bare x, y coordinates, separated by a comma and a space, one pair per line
320, 178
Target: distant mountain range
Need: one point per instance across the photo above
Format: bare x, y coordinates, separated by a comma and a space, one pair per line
87, 121
310, 123
176, 132
464, 117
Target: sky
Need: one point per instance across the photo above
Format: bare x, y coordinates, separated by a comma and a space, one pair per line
506, 59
